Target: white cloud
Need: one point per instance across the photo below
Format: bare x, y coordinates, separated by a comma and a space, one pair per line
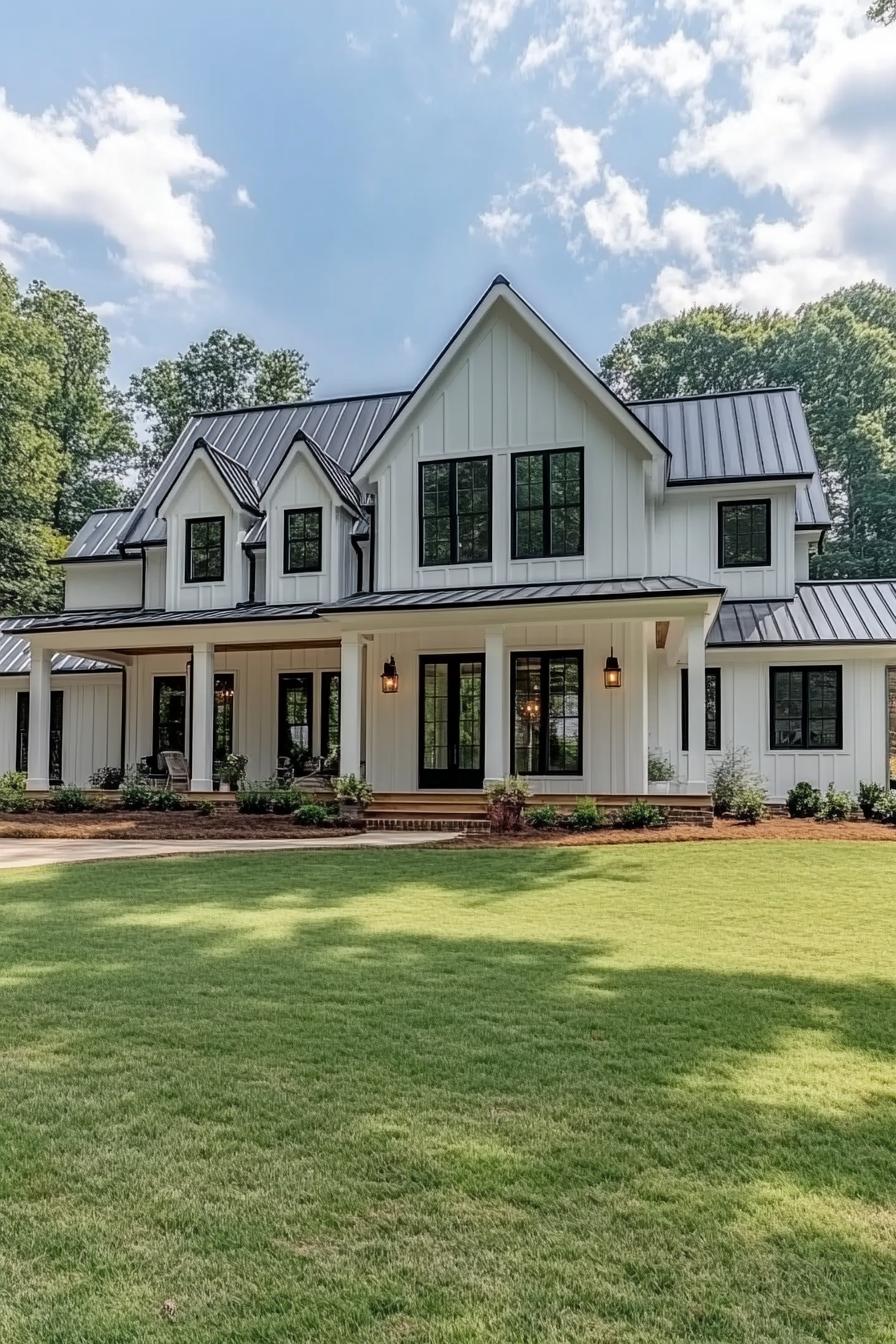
618, 219
16, 246
501, 223
358, 46
679, 65
578, 151
114, 159
242, 197
541, 51
481, 22
690, 231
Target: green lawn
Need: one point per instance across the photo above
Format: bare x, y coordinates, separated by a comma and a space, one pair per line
640, 1093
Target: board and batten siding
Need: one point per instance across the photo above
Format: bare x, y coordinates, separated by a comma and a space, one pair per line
686, 540
299, 485
746, 717
91, 722
502, 393
199, 494
100, 583
614, 723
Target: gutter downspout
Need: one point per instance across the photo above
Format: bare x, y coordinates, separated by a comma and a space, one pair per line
359, 567
371, 571
250, 556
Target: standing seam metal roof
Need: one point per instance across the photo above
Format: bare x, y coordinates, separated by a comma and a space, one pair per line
15, 659
846, 612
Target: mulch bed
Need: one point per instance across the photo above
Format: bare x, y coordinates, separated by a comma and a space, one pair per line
775, 828
118, 824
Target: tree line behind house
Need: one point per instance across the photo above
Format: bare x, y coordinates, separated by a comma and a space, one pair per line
71, 442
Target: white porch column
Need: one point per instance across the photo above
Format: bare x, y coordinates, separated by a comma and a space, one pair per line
350, 704
496, 756
39, 720
203, 684
696, 781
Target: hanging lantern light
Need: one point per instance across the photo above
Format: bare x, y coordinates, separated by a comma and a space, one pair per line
612, 672
390, 677
530, 710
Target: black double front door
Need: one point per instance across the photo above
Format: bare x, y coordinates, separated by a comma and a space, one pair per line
452, 711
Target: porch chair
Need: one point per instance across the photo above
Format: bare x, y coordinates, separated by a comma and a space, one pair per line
178, 772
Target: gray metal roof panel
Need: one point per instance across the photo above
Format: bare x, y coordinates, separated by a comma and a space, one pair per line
239, 482
15, 659
855, 611
115, 618
97, 538
512, 593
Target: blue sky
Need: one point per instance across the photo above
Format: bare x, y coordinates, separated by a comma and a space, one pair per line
347, 178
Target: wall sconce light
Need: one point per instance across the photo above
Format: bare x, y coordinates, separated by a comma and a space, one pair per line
390, 677
612, 672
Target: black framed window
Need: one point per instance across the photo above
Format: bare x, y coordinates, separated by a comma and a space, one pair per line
204, 550
745, 533
222, 723
295, 703
23, 709
329, 712
455, 508
302, 530
546, 728
547, 492
713, 708
806, 708
169, 715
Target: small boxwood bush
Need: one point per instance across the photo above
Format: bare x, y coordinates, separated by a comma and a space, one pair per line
886, 807
640, 815
16, 800
166, 800
869, 798
107, 777
836, 805
312, 814
545, 817
204, 808
749, 804
13, 781
134, 792
804, 800
255, 799
68, 799
586, 816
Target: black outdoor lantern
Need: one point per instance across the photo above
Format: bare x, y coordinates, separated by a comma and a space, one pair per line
612, 672
390, 677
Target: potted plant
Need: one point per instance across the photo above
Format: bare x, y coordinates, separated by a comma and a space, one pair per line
232, 771
353, 795
506, 799
660, 773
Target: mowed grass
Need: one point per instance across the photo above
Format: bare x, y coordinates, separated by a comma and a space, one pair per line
639, 1094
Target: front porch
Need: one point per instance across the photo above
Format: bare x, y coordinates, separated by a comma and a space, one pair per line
477, 694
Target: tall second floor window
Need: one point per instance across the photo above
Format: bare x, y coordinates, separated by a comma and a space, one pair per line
456, 511
547, 494
745, 533
302, 541
205, 550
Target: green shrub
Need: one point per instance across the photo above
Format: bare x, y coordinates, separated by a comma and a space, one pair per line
107, 777
506, 799
205, 808
13, 781
134, 792
870, 796
68, 799
586, 816
312, 814
255, 799
640, 815
836, 805
659, 768
886, 808
749, 804
803, 800
353, 790
285, 801
166, 800
16, 800
544, 818
731, 774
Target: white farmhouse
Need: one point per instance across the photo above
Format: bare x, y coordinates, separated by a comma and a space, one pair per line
505, 570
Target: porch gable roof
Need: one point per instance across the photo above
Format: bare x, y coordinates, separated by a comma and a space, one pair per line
511, 594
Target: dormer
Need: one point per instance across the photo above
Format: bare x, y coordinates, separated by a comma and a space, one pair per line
312, 508
207, 512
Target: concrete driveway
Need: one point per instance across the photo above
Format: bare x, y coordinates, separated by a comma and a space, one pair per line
36, 853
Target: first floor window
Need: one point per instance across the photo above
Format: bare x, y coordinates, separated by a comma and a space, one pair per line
302, 541
169, 716
745, 533
713, 709
23, 710
547, 713
295, 702
547, 497
205, 550
456, 511
222, 726
329, 713
806, 708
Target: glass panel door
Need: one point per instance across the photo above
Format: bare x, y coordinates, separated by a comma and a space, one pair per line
294, 718
23, 702
329, 713
222, 727
452, 691
169, 716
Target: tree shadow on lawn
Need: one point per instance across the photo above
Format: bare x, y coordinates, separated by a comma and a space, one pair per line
362, 1134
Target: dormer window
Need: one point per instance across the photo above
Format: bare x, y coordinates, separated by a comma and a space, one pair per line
204, 550
745, 534
302, 530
